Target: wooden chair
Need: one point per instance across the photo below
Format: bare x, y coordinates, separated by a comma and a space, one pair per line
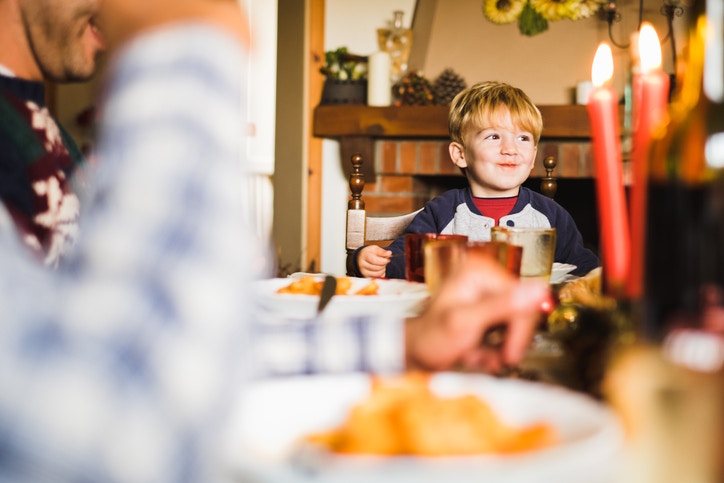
363, 229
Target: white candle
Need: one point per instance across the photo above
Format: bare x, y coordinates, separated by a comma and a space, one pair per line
379, 86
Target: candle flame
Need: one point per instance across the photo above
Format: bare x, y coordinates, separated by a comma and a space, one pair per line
649, 48
602, 69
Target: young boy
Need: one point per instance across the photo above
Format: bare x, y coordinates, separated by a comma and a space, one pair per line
495, 129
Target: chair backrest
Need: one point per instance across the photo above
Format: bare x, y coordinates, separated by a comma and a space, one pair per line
363, 229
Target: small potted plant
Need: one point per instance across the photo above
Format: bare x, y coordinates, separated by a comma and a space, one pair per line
346, 78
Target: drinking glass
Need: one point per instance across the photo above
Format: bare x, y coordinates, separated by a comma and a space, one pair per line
539, 249
415, 256
508, 255
443, 255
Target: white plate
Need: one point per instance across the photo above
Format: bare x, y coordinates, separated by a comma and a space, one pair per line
560, 272
394, 297
274, 415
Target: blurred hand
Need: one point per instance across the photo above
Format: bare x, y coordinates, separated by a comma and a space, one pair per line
372, 261
479, 296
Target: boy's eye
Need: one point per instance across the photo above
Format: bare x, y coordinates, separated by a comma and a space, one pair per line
525, 138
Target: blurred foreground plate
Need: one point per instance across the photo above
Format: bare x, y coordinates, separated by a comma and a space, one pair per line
276, 414
395, 297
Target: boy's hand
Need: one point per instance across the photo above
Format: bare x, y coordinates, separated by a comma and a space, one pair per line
372, 261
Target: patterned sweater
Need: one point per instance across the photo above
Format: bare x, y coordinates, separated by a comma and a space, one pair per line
37, 159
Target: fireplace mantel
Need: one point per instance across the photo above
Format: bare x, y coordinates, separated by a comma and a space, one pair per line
357, 127
339, 121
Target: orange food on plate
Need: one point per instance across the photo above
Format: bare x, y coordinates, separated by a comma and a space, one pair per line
302, 285
311, 285
343, 285
403, 416
369, 289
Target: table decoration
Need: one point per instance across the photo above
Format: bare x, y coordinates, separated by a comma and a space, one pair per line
651, 93
613, 214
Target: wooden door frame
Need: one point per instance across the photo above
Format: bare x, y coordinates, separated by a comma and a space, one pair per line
313, 230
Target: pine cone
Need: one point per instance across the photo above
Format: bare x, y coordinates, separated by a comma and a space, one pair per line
447, 85
413, 90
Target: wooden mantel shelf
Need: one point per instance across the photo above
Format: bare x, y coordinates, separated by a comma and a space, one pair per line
340, 121
357, 127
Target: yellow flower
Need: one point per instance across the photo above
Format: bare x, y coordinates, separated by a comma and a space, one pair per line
557, 9
502, 11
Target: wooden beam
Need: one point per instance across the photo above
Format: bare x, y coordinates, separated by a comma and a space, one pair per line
315, 31
390, 121
564, 121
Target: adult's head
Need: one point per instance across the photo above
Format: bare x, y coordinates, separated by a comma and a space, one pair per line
51, 39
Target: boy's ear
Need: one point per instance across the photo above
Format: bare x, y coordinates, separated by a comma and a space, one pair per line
457, 154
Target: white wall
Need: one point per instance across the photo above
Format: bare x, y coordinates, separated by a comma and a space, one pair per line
350, 23
262, 88
261, 110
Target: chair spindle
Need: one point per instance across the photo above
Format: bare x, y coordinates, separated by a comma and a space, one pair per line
549, 184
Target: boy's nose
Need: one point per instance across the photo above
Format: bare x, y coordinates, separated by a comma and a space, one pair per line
508, 146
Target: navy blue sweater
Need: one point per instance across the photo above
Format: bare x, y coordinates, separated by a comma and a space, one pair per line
454, 212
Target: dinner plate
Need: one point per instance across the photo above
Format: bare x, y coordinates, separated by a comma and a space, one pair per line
274, 415
394, 297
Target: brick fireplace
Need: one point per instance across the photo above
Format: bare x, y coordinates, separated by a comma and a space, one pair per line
410, 172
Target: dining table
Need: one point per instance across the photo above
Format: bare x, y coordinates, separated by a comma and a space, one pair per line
616, 405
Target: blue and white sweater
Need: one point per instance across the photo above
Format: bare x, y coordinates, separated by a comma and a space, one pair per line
454, 212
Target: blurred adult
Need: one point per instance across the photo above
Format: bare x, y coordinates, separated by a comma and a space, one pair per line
122, 364
41, 41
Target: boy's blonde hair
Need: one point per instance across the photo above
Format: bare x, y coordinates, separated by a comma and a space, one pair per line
478, 105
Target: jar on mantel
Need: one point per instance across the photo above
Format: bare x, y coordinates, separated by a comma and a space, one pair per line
396, 41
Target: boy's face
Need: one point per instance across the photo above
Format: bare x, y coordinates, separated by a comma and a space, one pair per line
497, 158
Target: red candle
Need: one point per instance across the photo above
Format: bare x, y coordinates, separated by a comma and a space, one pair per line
612, 212
649, 109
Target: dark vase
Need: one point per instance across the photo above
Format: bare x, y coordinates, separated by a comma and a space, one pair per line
337, 91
